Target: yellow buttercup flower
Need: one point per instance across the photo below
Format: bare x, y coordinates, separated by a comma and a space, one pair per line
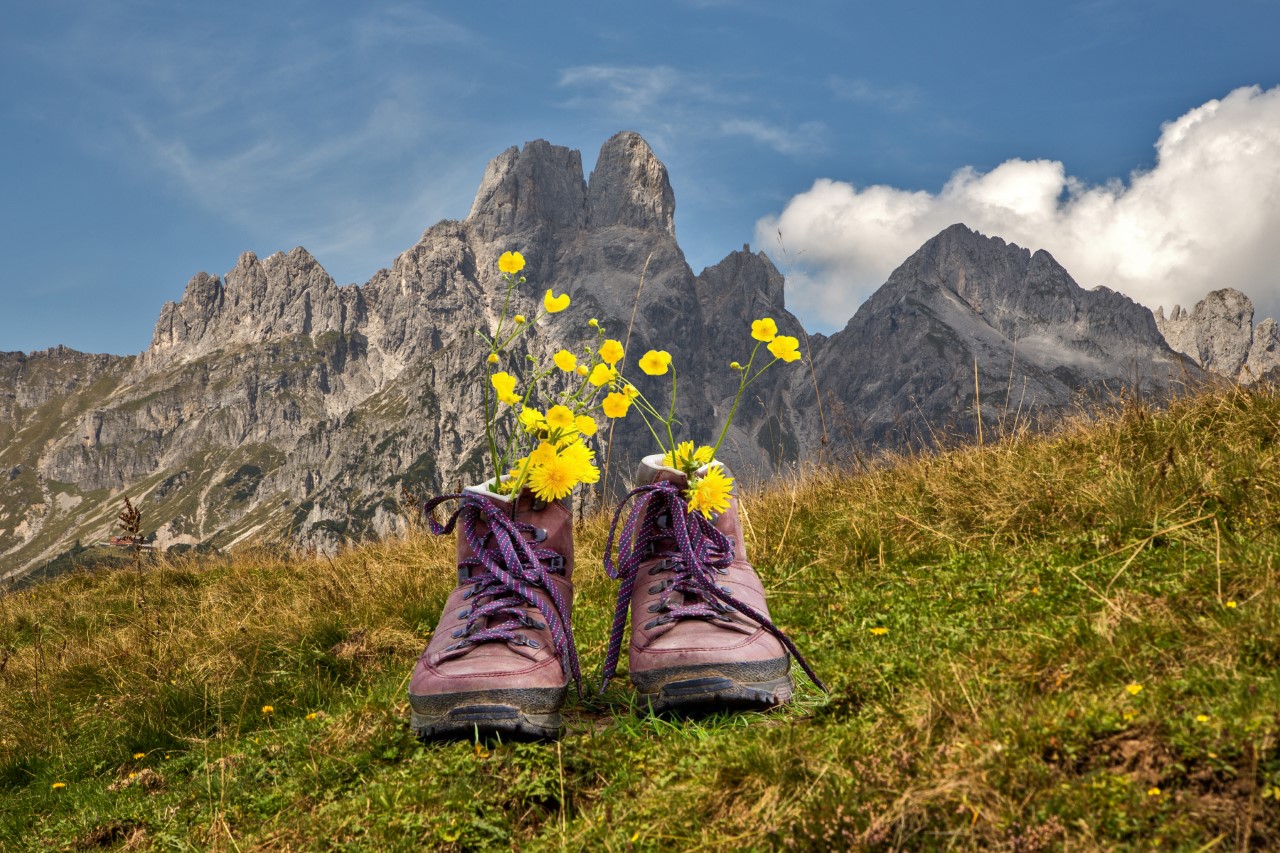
785, 347
565, 360
586, 425
593, 323
511, 262
710, 493
655, 362
555, 304
631, 391
764, 329
1134, 689
616, 405
602, 374
581, 370
561, 417
612, 352
58, 785
138, 755
879, 631
505, 384
553, 479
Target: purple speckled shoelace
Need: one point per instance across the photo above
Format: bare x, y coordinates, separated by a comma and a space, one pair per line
505, 571
701, 553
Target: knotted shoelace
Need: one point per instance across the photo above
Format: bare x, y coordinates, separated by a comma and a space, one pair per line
701, 553
504, 573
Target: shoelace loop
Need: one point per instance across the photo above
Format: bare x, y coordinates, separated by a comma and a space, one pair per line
504, 573
702, 552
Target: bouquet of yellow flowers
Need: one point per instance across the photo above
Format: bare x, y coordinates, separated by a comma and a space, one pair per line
546, 450
709, 487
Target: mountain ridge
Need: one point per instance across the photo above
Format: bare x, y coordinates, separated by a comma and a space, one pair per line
273, 403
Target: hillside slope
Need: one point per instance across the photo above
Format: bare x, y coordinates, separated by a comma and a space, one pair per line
1060, 640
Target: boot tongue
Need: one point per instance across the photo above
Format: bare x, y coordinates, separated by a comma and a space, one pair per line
653, 471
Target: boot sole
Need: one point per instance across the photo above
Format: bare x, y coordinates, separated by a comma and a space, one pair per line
708, 688
531, 713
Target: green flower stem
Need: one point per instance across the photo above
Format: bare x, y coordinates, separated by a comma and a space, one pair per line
746, 380
671, 416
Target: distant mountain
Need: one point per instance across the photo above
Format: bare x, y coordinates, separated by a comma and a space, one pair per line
272, 403
1219, 335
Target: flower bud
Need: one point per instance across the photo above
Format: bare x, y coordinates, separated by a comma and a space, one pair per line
733, 365
593, 323
519, 318
493, 358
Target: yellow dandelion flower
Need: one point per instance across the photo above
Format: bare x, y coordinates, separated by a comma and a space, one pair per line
493, 358
313, 715
710, 493
616, 405
602, 374
1153, 792
505, 384
1231, 604
560, 417
764, 329
545, 452
612, 352
565, 360
531, 419
1134, 688
553, 479
586, 424
138, 755
58, 785
655, 362
1202, 718
879, 631
703, 454
268, 710
785, 347
582, 460
683, 454
555, 304
511, 262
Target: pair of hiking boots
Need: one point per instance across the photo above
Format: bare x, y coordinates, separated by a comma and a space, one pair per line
502, 657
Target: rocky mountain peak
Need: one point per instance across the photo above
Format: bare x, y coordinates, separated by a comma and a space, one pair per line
524, 191
1219, 335
629, 186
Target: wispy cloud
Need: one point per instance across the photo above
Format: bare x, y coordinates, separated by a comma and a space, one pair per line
808, 138
690, 105
898, 98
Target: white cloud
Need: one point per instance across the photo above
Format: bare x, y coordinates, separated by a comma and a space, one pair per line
1206, 216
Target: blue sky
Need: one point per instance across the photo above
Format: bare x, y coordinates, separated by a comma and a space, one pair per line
147, 141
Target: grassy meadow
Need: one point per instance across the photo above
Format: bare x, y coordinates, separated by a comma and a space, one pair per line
1065, 642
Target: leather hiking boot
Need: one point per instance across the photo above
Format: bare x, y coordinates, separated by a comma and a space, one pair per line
502, 656
701, 637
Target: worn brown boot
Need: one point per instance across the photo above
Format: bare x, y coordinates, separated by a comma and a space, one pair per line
502, 656
701, 637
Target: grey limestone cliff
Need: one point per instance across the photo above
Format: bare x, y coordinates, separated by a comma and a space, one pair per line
1219, 335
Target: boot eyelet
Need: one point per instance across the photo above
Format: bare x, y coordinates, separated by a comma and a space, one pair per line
533, 644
